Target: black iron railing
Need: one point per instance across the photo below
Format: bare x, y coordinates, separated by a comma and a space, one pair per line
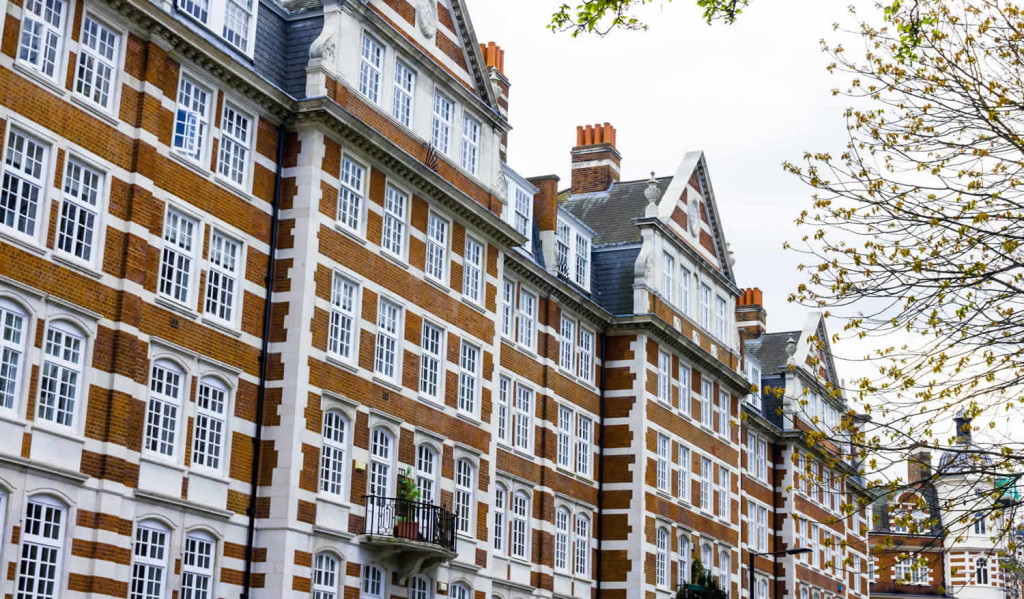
403, 519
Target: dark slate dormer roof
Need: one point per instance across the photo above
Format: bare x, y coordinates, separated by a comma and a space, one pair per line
880, 509
770, 350
610, 213
968, 456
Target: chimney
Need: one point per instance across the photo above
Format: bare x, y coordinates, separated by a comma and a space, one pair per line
595, 161
751, 318
494, 58
919, 466
545, 216
963, 428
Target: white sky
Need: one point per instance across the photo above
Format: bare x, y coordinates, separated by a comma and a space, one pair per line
749, 95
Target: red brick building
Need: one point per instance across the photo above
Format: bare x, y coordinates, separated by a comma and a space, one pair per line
264, 270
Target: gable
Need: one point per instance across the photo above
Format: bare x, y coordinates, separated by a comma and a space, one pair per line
689, 208
441, 29
816, 355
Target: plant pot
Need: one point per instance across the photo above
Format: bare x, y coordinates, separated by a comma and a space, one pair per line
408, 529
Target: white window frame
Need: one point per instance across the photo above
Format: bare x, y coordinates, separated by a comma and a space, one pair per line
96, 61
473, 270
664, 377
41, 550
394, 238
335, 436
234, 151
508, 309
150, 553
585, 356
371, 67
663, 454
721, 317
178, 257
499, 530
581, 545
199, 564
471, 133
584, 445
519, 522
51, 38
380, 479
441, 126
567, 344
351, 213
503, 411
563, 448
683, 544
662, 542
684, 289
210, 430
522, 213
343, 319
707, 399
685, 388
470, 358
217, 21
668, 267
432, 361
326, 576
684, 462
21, 216
436, 261
14, 329
191, 134
428, 470
563, 526
724, 494
64, 359
80, 216
724, 408
464, 501
762, 461
705, 307
522, 436
581, 274
224, 278
527, 332
404, 105
164, 410
373, 582
390, 328
706, 483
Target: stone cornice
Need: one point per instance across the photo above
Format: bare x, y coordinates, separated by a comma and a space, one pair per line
327, 113
174, 35
699, 261
561, 291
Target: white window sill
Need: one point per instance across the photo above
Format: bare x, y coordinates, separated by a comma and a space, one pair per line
177, 306
29, 244
355, 236
88, 270
196, 166
109, 115
395, 259
445, 287
212, 475
32, 73
340, 362
161, 460
325, 497
472, 419
473, 304
388, 383
221, 326
58, 430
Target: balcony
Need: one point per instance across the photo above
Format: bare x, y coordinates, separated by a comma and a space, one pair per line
410, 536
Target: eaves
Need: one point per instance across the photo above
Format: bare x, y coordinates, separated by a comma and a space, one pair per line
653, 324
204, 53
564, 293
685, 248
326, 112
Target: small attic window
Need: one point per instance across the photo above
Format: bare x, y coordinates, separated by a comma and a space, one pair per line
522, 213
572, 251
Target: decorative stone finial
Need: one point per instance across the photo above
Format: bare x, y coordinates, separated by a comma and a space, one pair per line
653, 194
790, 348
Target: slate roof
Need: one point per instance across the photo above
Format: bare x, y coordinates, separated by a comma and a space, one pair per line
610, 213
297, 5
770, 350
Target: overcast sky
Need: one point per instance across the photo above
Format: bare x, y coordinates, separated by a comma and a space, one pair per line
749, 95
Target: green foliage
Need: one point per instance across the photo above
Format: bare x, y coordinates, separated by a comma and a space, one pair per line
703, 584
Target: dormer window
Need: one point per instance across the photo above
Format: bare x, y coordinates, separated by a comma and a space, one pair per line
523, 213
235, 23
572, 252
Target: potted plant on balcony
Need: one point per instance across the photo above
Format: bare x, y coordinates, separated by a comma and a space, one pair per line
407, 510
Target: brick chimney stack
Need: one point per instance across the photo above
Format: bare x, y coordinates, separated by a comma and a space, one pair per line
595, 161
494, 58
919, 466
751, 318
545, 217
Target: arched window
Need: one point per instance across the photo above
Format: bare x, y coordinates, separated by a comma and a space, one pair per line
460, 591
61, 382
13, 331
426, 474
661, 558
582, 544
325, 576
707, 556
42, 546
373, 582
332, 453
562, 517
684, 558
166, 396
724, 570
149, 560
464, 475
420, 588
500, 518
381, 460
197, 566
981, 571
520, 529
210, 423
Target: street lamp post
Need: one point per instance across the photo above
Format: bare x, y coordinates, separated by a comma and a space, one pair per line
753, 554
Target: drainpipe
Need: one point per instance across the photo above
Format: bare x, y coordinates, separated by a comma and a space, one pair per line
600, 471
264, 355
